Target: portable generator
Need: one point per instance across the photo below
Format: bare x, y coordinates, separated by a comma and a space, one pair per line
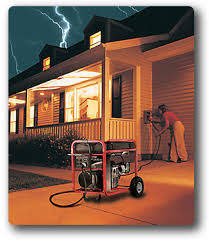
98, 166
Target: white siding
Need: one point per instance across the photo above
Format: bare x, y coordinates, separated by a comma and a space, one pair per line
173, 85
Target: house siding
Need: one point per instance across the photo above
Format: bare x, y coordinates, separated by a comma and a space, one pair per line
173, 85
45, 114
146, 104
21, 120
56, 101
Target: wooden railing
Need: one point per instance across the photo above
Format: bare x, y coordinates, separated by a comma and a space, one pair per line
89, 129
122, 128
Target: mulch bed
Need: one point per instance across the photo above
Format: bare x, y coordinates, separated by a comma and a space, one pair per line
19, 180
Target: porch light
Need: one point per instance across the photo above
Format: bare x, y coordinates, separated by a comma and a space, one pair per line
42, 93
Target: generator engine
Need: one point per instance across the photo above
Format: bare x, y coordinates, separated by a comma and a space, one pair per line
90, 159
93, 179
117, 170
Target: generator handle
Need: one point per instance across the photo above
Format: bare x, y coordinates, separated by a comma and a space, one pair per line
74, 154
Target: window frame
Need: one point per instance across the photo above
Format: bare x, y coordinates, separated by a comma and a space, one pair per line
13, 123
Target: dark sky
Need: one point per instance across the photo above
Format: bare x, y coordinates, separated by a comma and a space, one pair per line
29, 30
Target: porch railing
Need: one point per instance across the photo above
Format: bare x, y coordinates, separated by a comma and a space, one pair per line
122, 128
89, 129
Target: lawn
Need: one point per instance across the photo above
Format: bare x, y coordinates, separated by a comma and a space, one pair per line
19, 180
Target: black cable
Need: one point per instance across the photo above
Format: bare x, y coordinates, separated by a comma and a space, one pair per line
59, 193
72, 204
153, 125
149, 161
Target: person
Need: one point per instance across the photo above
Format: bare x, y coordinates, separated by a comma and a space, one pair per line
178, 151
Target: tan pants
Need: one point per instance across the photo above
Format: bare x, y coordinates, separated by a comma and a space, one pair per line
178, 144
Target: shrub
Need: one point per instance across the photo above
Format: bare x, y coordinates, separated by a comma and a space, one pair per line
60, 147
42, 150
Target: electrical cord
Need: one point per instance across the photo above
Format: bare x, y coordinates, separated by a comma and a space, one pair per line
152, 157
71, 191
72, 204
153, 153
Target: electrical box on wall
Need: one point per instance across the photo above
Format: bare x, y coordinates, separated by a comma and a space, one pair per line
147, 116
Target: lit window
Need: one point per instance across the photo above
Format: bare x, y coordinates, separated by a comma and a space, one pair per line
13, 121
95, 39
69, 106
32, 116
88, 103
46, 63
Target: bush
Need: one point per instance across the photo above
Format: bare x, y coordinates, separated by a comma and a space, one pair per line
60, 147
42, 150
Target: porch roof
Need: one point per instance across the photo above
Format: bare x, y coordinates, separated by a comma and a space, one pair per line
86, 58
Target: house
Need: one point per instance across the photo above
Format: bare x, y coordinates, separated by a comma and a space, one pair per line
101, 86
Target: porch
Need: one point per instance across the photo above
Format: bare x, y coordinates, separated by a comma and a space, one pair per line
97, 101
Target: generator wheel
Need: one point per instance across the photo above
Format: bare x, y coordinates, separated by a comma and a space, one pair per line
137, 187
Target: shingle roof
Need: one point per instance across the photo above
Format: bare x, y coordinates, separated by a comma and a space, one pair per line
155, 20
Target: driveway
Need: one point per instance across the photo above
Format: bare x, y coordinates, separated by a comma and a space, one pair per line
168, 200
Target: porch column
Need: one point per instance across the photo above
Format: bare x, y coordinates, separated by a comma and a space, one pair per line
106, 108
137, 107
28, 99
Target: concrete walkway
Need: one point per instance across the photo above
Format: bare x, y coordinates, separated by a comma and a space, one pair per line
167, 200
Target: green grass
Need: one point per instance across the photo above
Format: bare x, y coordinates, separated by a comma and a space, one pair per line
19, 180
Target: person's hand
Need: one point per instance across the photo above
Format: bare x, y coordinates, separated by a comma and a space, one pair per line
150, 118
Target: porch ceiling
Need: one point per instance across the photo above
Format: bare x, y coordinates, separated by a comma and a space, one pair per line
72, 78
17, 99
169, 50
130, 56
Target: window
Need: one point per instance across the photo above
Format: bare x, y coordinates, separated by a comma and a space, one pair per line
13, 121
62, 108
116, 97
31, 124
69, 106
95, 39
46, 63
88, 102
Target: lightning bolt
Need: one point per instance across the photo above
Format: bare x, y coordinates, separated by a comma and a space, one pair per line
64, 30
15, 59
134, 9
78, 14
122, 11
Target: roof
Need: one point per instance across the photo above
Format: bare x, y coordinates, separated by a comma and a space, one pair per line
155, 20
166, 24
97, 19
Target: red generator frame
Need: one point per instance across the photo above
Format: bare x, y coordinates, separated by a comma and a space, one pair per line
107, 191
